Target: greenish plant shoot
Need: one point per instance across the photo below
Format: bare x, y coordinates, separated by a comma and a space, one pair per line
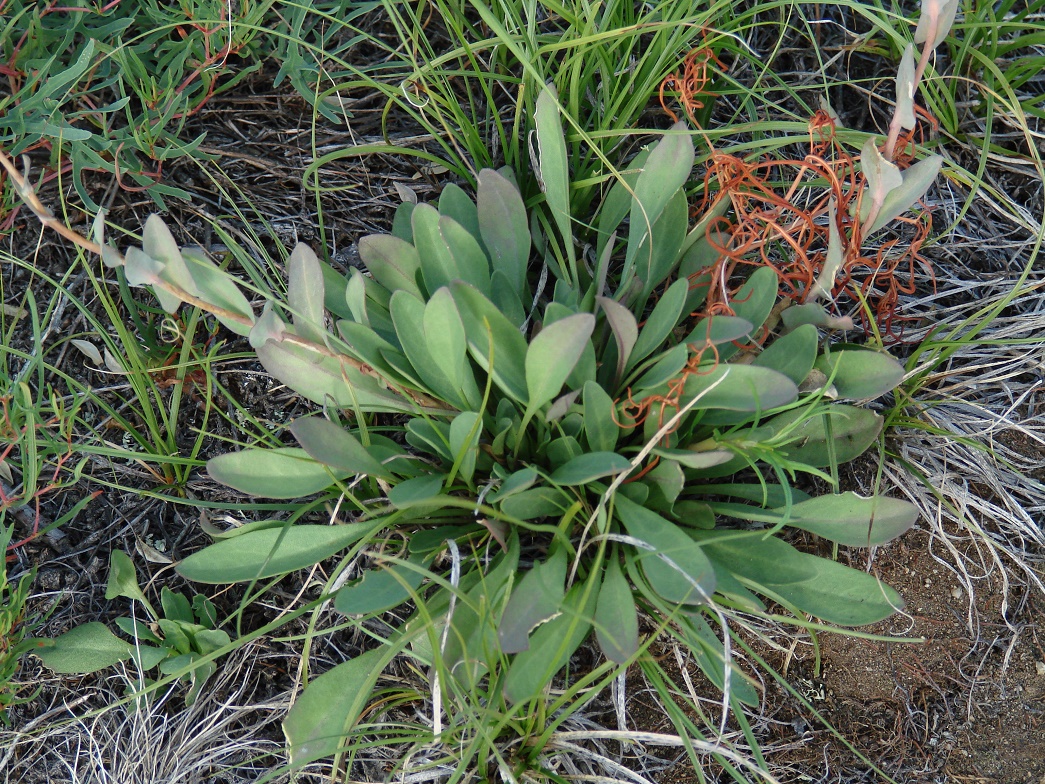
598, 447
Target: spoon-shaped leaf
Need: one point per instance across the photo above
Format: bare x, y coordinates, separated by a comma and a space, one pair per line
553, 354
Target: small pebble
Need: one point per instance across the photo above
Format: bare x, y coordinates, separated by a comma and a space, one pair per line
1040, 667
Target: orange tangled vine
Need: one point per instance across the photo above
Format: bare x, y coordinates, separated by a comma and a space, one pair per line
781, 210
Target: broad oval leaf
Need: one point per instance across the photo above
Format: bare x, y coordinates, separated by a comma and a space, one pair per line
493, 340
504, 228
470, 259
552, 645
589, 467
269, 552
915, 182
83, 649
382, 588
305, 293
553, 354
739, 387
851, 519
676, 566
861, 375
536, 599
616, 620
846, 518
393, 262
415, 491
328, 707
792, 354
219, 288
839, 434
334, 446
285, 472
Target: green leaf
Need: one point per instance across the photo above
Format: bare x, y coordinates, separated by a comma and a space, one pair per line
416, 491
438, 266
692, 458
664, 317
600, 424
515, 483
551, 165
322, 378
328, 707
464, 442
852, 431
793, 354
838, 594
552, 645
123, 579
861, 375
469, 257
914, 182
535, 600
753, 302
382, 588
219, 288
334, 446
535, 503
269, 552
158, 244
689, 578
707, 650
175, 606
408, 316
625, 332
484, 325
589, 467
305, 293
445, 337
742, 388
553, 354
84, 649
285, 472
846, 518
616, 620
393, 262
455, 204
666, 170
504, 228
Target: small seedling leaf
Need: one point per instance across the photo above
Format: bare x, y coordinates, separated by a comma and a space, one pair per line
123, 579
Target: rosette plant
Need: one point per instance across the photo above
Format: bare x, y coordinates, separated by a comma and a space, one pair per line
549, 398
